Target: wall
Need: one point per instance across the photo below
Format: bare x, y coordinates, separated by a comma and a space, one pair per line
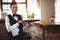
0, 13
0, 9
47, 9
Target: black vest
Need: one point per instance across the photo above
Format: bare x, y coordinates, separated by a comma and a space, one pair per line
13, 21
22, 35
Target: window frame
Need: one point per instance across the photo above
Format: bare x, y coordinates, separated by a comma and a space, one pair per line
2, 3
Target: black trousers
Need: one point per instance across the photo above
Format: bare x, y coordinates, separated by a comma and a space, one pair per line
19, 37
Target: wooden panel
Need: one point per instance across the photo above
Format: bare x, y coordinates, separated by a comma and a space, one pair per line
3, 32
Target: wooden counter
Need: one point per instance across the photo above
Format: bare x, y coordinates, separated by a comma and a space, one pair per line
50, 28
3, 31
2, 20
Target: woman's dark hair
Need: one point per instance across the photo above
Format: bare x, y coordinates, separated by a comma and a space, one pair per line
13, 3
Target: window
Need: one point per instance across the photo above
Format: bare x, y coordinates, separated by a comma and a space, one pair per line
22, 10
24, 7
0, 9
20, 0
57, 11
0, 13
5, 1
6, 7
33, 8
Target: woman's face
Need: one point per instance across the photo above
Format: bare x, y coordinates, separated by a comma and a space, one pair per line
14, 8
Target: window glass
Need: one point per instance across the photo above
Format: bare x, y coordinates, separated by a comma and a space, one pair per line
6, 0
6, 7
20, 0
33, 8
57, 11
0, 13
22, 10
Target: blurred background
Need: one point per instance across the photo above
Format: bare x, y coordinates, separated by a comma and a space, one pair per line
47, 11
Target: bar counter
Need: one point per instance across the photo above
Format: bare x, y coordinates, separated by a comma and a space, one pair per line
51, 31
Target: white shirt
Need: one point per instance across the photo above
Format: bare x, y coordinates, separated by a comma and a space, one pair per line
13, 28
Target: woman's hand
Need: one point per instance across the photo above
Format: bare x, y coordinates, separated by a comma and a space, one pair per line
20, 21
